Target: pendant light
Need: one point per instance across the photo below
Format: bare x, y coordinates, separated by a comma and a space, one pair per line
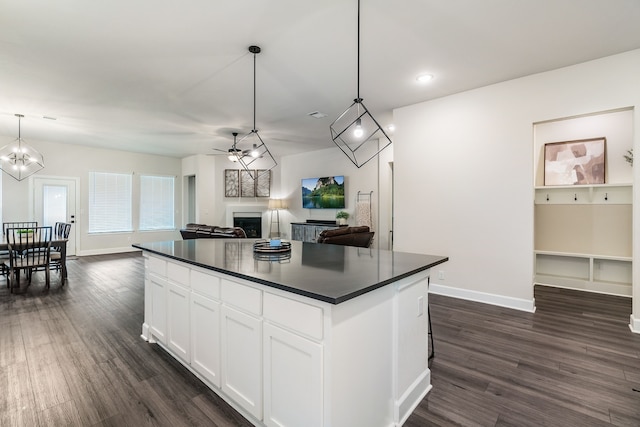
260, 156
356, 132
19, 159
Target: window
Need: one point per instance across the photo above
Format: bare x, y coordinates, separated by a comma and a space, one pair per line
156, 202
109, 202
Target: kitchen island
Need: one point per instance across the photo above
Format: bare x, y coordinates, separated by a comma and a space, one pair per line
323, 335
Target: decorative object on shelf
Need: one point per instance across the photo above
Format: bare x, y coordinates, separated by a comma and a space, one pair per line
239, 183
356, 132
580, 162
342, 217
629, 157
274, 206
256, 148
19, 159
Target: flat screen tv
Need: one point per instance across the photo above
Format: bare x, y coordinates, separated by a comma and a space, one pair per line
323, 193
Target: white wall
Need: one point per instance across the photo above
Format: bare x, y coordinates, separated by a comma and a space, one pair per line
464, 174
71, 161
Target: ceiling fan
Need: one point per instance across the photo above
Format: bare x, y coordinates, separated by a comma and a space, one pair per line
235, 154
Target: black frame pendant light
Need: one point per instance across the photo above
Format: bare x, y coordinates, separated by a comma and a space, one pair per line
356, 132
19, 159
256, 149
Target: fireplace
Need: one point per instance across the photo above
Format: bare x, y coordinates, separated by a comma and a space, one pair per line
252, 225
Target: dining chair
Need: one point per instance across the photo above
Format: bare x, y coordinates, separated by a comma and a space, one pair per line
56, 251
4, 255
29, 249
18, 224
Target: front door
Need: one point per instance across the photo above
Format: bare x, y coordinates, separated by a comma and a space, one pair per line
55, 201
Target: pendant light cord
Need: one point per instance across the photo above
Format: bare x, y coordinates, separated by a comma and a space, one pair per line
358, 50
254, 92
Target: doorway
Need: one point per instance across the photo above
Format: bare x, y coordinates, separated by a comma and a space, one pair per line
54, 200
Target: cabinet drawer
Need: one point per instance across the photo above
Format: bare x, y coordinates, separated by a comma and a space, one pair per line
157, 266
244, 297
297, 316
205, 284
178, 273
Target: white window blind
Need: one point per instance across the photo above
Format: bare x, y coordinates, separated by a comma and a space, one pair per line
156, 202
109, 202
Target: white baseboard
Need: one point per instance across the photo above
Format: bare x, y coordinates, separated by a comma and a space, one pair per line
108, 251
499, 300
634, 325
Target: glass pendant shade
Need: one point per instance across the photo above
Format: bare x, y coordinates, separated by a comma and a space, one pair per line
357, 133
20, 160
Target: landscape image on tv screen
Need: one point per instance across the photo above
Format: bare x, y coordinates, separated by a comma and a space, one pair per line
323, 193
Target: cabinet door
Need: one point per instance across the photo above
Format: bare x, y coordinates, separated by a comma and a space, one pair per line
310, 233
158, 307
297, 232
292, 379
242, 359
178, 324
205, 337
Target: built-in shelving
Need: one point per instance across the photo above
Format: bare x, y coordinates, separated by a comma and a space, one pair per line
583, 237
583, 233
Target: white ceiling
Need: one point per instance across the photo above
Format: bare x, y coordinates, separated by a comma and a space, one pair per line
176, 78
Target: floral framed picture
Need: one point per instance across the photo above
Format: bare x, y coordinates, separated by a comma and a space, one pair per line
580, 162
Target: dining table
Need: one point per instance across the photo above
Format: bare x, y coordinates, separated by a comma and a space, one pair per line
57, 241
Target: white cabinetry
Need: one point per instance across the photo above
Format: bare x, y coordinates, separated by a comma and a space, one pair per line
293, 362
178, 322
205, 326
286, 360
158, 325
292, 379
242, 359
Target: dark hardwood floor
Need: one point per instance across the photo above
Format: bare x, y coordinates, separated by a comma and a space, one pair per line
74, 356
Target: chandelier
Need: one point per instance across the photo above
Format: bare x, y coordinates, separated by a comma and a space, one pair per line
19, 159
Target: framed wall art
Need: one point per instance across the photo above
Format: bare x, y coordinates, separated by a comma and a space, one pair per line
247, 185
239, 183
263, 184
231, 183
580, 162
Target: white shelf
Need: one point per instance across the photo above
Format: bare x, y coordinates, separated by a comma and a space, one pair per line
605, 274
585, 194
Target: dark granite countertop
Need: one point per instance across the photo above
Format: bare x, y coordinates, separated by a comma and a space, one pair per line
329, 273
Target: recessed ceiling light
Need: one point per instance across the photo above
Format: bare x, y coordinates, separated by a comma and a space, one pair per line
423, 78
317, 114
391, 128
